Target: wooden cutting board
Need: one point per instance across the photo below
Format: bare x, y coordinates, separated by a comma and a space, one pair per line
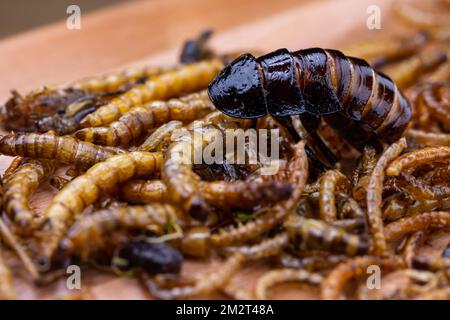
152, 32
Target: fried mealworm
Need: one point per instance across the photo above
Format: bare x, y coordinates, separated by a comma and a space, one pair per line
436, 99
438, 294
196, 242
419, 18
11, 240
383, 51
19, 186
184, 79
204, 285
330, 181
311, 262
266, 248
84, 190
419, 189
15, 163
406, 72
159, 137
143, 191
7, 291
417, 222
274, 277
298, 173
315, 234
361, 175
409, 252
133, 124
429, 138
333, 284
115, 81
417, 158
65, 149
87, 235
58, 182
374, 195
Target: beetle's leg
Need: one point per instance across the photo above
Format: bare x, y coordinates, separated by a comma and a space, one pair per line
311, 124
287, 123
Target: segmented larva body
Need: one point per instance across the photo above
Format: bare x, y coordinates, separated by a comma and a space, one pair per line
411, 246
204, 285
436, 97
330, 181
157, 140
235, 194
88, 234
429, 138
312, 234
385, 50
437, 294
333, 284
372, 104
298, 174
274, 277
374, 196
184, 79
417, 158
133, 124
13, 165
114, 81
144, 191
65, 149
266, 248
406, 72
417, 222
19, 186
7, 291
312, 262
58, 182
419, 189
84, 190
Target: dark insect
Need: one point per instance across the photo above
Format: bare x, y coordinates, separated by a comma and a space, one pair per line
362, 104
153, 258
446, 252
195, 50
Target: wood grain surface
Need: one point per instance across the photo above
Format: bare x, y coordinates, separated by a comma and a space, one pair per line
151, 32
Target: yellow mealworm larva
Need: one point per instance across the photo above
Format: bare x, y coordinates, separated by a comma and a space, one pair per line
374, 195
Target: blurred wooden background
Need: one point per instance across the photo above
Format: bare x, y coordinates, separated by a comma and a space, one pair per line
139, 32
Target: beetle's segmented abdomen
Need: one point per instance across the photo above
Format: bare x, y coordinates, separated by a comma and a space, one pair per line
370, 100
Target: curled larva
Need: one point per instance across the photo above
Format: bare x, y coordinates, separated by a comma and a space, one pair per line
133, 124
333, 284
298, 174
84, 190
417, 158
274, 277
374, 196
19, 186
65, 149
184, 79
330, 182
417, 222
88, 234
203, 285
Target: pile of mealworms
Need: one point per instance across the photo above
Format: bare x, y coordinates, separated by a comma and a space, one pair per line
127, 203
